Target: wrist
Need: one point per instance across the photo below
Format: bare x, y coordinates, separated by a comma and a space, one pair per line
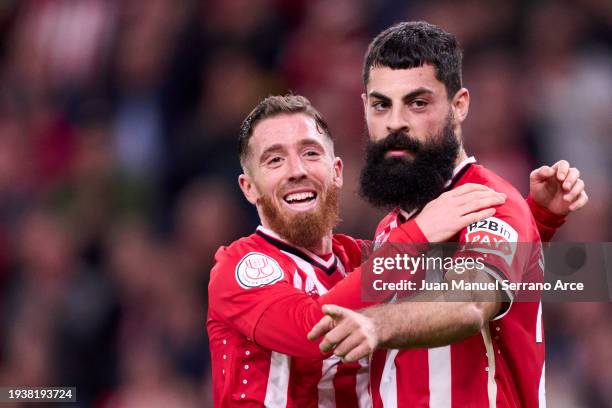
379, 322
543, 215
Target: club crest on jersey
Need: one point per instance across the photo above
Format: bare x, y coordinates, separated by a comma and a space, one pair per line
256, 269
494, 236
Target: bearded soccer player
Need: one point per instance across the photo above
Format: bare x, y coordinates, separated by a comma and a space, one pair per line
479, 353
266, 290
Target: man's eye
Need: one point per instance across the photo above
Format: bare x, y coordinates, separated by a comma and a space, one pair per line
419, 103
312, 153
380, 105
274, 160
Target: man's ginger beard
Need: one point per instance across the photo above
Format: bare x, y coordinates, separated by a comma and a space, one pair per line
304, 229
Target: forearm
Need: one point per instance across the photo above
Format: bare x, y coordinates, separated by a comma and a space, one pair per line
424, 324
435, 318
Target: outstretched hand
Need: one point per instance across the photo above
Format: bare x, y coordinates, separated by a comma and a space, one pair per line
350, 334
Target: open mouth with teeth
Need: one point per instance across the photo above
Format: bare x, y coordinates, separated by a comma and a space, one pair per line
303, 200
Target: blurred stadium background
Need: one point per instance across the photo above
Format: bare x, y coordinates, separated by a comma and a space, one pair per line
118, 168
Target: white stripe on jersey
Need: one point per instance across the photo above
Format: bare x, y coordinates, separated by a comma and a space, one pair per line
542, 388
327, 395
491, 384
278, 381
362, 386
297, 280
388, 382
340, 267
539, 324
439, 377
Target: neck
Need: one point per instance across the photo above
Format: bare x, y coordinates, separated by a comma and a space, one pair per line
322, 247
461, 156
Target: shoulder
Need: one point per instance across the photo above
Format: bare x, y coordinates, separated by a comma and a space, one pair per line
481, 175
514, 214
250, 260
239, 248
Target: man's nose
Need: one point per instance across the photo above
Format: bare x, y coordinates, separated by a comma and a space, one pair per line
397, 122
297, 169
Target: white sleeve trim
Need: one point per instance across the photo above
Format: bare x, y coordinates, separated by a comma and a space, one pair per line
492, 272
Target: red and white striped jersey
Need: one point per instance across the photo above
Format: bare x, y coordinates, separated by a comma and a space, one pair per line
265, 295
261, 358
503, 365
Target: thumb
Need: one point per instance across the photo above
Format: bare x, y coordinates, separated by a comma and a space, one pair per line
541, 174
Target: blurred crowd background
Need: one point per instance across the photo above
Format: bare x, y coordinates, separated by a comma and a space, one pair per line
118, 166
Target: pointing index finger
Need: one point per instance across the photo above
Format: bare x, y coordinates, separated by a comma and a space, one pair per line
321, 328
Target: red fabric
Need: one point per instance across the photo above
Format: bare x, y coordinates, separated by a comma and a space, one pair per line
459, 372
548, 222
264, 327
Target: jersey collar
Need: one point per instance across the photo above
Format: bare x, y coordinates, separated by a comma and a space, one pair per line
328, 266
459, 170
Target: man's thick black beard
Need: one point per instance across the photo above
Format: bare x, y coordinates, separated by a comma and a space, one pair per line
408, 183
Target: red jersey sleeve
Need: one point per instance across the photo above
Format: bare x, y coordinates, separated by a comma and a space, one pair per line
302, 312
494, 240
505, 244
284, 323
548, 222
252, 293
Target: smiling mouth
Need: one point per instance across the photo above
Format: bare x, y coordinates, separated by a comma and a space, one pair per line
301, 201
303, 197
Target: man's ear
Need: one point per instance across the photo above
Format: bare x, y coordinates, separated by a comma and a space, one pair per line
364, 99
460, 105
248, 188
338, 177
